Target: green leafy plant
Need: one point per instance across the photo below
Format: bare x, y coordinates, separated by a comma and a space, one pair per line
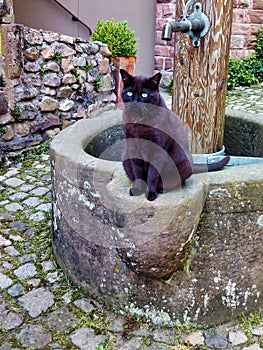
170, 86
245, 72
118, 36
88, 67
16, 112
3, 130
100, 346
57, 57
259, 46
247, 322
98, 82
249, 70
147, 340
75, 72
42, 69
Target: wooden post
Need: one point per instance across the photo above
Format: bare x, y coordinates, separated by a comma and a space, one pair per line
200, 77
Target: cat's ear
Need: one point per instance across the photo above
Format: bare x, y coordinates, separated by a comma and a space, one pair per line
155, 79
126, 77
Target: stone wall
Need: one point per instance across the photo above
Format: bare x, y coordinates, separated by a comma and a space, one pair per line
48, 81
247, 19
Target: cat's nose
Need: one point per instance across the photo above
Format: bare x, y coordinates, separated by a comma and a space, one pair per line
138, 98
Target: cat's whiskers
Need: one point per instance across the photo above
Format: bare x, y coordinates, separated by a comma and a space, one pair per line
139, 111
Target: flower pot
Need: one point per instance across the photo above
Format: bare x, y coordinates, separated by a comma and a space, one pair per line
127, 63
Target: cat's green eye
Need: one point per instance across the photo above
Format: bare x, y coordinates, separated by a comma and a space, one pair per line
129, 93
144, 94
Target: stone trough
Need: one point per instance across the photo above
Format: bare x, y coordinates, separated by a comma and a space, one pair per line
194, 254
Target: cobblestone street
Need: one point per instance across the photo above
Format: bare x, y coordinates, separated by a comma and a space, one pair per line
41, 309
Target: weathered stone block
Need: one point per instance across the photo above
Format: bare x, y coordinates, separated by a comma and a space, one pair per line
244, 3
48, 53
51, 79
33, 36
52, 66
46, 90
48, 104
243, 134
6, 118
64, 92
62, 49
104, 50
258, 4
69, 79
9, 133
241, 16
79, 61
3, 103
18, 143
25, 92
67, 39
22, 129
107, 83
168, 10
52, 133
240, 29
66, 105
12, 43
111, 243
81, 114
255, 16
237, 41
90, 48
32, 67
32, 53
66, 65
33, 79
50, 37
67, 123
104, 66
159, 63
44, 122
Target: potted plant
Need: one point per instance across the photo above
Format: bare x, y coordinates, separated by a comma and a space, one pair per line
122, 43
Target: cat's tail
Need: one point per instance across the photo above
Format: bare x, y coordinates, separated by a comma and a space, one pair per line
201, 168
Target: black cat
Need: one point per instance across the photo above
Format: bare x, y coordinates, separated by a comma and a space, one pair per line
157, 156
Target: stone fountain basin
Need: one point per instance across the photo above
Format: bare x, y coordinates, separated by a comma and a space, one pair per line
194, 254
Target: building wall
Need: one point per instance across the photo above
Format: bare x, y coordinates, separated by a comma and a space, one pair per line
140, 15
247, 19
48, 15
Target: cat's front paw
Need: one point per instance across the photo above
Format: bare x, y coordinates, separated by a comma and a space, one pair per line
135, 191
151, 196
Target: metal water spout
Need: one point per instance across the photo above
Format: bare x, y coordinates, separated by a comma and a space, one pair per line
196, 24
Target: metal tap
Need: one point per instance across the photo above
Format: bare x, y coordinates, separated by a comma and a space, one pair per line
196, 24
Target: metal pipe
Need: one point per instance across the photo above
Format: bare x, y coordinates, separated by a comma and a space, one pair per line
169, 28
167, 32
196, 25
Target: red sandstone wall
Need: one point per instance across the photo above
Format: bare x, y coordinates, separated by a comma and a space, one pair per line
247, 19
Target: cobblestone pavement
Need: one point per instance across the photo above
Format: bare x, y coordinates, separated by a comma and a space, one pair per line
41, 309
246, 99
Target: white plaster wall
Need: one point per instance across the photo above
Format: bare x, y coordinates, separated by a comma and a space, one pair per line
47, 14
